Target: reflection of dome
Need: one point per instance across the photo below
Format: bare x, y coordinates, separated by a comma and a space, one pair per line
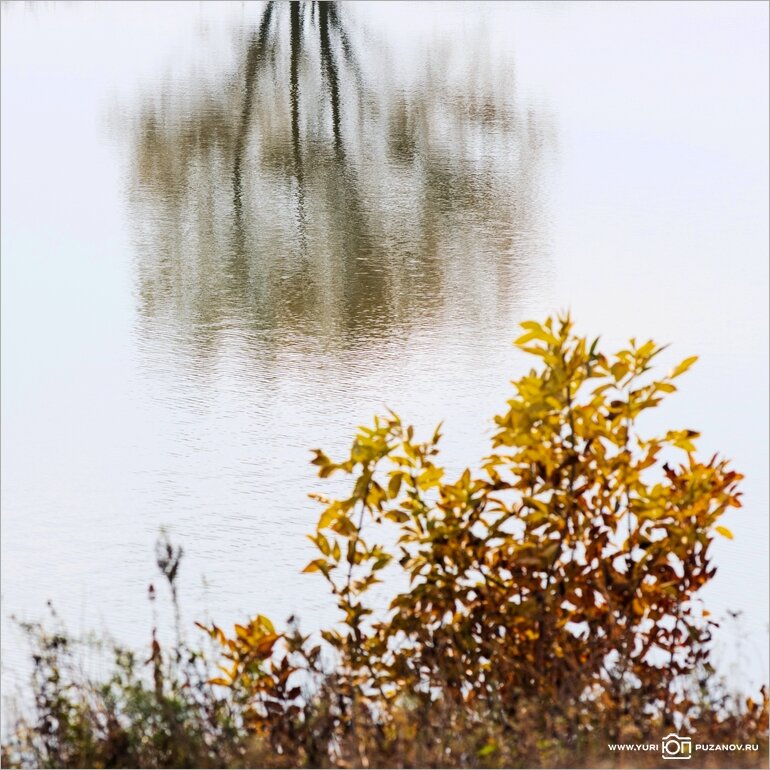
315, 195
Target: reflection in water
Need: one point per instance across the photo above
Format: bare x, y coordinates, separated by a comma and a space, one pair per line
315, 194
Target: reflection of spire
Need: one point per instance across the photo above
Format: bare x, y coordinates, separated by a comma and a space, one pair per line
345, 204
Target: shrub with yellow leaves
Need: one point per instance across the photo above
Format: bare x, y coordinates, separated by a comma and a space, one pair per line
560, 580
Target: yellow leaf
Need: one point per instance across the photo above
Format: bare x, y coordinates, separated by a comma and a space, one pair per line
725, 532
537, 334
684, 366
266, 623
394, 485
328, 517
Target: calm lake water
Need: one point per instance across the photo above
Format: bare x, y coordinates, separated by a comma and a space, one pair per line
232, 232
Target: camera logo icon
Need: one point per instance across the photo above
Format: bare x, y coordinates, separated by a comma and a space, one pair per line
677, 746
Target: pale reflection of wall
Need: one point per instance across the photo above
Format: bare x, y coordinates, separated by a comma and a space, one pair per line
313, 195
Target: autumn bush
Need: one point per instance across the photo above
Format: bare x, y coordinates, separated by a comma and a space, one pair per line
551, 605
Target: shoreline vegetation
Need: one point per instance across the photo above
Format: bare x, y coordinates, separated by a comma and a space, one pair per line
551, 607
